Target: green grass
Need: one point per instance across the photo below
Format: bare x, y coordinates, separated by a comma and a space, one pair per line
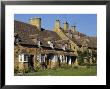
80, 71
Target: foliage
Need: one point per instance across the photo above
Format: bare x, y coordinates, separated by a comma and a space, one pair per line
63, 65
80, 57
81, 71
94, 53
86, 55
16, 70
37, 65
83, 55
27, 70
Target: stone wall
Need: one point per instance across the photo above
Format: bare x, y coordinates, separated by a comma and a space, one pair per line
63, 36
17, 50
74, 47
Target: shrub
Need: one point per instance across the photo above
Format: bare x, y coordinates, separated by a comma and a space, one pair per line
37, 68
20, 71
37, 65
83, 55
64, 65
27, 70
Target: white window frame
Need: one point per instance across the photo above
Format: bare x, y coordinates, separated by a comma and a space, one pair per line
51, 44
39, 43
63, 47
22, 56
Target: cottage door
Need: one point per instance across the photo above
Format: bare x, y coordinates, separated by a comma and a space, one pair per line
31, 61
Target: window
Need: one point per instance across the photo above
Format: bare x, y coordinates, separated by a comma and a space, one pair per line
63, 47
23, 58
42, 58
39, 43
20, 58
51, 44
26, 58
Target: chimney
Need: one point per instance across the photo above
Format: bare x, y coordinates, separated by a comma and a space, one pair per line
57, 25
35, 21
66, 26
74, 28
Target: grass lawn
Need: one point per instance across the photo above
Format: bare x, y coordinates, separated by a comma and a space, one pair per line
80, 71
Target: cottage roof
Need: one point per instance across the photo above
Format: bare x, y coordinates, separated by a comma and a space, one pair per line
29, 34
82, 39
24, 28
93, 42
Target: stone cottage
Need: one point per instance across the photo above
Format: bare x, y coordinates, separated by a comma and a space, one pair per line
50, 48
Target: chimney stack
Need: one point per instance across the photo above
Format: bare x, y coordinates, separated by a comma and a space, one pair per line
57, 25
74, 28
66, 26
36, 21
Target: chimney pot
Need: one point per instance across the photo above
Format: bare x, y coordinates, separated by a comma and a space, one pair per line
57, 25
36, 21
66, 26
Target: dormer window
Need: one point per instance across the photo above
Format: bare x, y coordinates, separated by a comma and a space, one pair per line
51, 44
63, 47
39, 43
66, 47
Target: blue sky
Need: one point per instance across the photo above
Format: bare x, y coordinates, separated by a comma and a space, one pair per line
85, 23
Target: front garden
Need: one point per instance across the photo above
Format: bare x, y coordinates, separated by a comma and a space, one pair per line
89, 70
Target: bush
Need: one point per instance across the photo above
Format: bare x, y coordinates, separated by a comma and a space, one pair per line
37, 65
27, 70
63, 65
83, 55
37, 68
